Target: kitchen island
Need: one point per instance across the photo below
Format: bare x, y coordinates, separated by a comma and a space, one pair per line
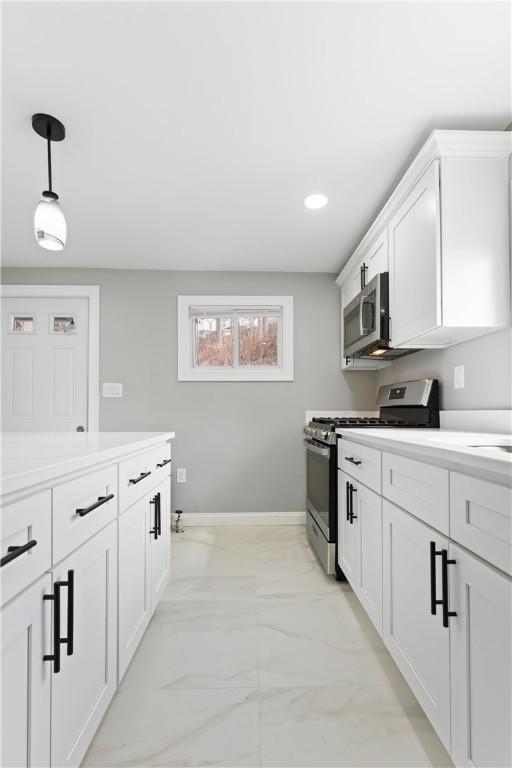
85, 558
425, 540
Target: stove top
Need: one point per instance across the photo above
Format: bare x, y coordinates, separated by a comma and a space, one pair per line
338, 422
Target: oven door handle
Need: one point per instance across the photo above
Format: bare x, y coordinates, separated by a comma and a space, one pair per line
316, 449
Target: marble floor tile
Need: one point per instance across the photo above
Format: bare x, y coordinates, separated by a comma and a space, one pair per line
351, 725
256, 657
197, 645
178, 728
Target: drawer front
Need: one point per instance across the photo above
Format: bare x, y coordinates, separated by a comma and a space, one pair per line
139, 473
481, 518
25, 522
162, 462
361, 462
81, 508
419, 488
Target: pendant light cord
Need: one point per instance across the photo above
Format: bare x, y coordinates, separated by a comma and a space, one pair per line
49, 164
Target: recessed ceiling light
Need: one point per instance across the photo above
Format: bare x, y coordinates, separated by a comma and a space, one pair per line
316, 201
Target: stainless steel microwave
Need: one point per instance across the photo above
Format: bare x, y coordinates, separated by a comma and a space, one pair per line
366, 322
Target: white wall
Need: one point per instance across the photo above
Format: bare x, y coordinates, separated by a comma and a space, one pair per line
241, 443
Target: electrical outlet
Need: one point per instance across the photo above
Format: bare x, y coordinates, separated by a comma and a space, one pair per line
181, 475
458, 377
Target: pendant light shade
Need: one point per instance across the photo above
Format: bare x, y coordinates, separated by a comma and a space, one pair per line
49, 223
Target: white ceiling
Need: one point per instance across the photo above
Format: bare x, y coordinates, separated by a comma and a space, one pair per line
195, 129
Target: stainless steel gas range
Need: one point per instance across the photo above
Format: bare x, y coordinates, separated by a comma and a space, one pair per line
407, 404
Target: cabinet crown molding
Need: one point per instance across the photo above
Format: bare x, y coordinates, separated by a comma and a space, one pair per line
440, 144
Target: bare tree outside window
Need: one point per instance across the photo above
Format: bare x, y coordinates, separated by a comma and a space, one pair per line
214, 341
258, 340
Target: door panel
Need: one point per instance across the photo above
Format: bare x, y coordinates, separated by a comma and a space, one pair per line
348, 533
44, 364
414, 261
25, 717
369, 582
83, 688
134, 592
415, 638
481, 648
159, 549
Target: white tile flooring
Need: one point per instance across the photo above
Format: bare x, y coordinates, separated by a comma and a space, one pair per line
256, 658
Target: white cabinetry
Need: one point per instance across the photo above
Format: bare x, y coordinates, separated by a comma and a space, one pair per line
443, 235
360, 543
481, 669
446, 613
415, 261
67, 634
159, 545
25, 716
416, 639
134, 597
144, 566
83, 688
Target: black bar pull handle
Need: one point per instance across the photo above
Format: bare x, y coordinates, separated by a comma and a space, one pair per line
357, 462
101, 500
14, 552
55, 656
352, 516
70, 639
347, 500
154, 530
135, 480
434, 602
163, 463
159, 514
445, 562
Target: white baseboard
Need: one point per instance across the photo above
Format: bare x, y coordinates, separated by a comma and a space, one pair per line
243, 518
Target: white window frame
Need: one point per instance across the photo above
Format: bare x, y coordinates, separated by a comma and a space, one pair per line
188, 372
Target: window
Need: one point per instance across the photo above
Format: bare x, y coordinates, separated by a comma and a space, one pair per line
21, 323
235, 338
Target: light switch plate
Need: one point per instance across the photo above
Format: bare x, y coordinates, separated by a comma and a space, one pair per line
181, 475
458, 377
114, 389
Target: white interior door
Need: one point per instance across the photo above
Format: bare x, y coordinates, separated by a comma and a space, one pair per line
45, 364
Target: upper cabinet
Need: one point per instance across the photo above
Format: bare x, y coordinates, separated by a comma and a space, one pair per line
443, 235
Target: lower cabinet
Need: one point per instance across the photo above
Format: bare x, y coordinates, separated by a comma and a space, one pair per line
360, 543
134, 595
144, 566
84, 685
159, 545
481, 669
413, 628
26, 679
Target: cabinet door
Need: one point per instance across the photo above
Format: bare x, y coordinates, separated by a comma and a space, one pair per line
25, 717
83, 688
348, 532
368, 507
376, 257
415, 262
415, 638
481, 671
159, 548
134, 594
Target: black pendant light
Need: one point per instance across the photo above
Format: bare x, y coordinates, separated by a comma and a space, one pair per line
49, 222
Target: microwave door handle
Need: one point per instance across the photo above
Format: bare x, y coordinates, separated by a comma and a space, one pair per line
363, 331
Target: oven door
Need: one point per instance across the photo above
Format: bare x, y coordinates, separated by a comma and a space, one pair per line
318, 482
362, 318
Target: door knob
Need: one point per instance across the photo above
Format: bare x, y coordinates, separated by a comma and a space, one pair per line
80, 429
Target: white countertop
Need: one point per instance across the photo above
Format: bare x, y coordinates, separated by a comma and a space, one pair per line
31, 458
453, 449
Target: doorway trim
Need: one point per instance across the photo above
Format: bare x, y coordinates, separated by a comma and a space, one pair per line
92, 294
